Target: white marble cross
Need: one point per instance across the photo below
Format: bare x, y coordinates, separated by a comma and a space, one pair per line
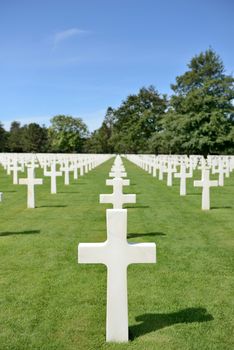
116, 253
118, 167
205, 183
81, 166
170, 170
14, 167
161, 167
117, 172
221, 171
33, 162
53, 175
31, 181
155, 167
117, 198
183, 176
66, 168
75, 170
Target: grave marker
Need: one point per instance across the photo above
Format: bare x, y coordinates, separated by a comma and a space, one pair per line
30, 181
53, 175
116, 253
183, 176
205, 183
117, 198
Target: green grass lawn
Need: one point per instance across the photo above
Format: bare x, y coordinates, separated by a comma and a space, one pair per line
48, 301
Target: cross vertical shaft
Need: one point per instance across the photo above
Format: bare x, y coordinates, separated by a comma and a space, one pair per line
116, 253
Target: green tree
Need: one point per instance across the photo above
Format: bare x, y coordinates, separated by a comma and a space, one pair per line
15, 139
93, 144
100, 140
3, 138
67, 134
35, 138
137, 119
202, 112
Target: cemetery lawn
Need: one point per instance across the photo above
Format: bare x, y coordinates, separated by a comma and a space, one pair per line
49, 302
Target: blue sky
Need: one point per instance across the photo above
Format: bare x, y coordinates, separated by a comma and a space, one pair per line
78, 57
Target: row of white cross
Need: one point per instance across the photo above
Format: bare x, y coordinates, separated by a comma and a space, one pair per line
16, 163
116, 253
169, 165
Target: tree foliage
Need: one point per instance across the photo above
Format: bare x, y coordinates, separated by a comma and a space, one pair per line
15, 139
100, 140
197, 118
35, 138
3, 138
137, 119
67, 134
201, 114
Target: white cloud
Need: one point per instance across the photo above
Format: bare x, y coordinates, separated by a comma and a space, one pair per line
67, 34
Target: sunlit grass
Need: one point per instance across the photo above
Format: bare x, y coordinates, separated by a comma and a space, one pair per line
48, 301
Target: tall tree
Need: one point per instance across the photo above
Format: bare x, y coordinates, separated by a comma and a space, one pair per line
137, 119
67, 134
3, 138
201, 107
15, 139
100, 139
35, 138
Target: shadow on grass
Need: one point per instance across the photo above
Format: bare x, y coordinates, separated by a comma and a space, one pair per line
149, 234
29, 232
9, 191
53, 206
227, 207
153, 322
69, 192
136, 206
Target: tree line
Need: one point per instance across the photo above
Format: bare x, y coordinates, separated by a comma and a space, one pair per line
198, 118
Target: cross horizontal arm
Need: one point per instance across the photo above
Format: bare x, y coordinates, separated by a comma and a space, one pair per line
110, 182
106, 198
141, 253
198, 183
92, 253
38, 181
120, 174
23, 181
213, 183
129, 198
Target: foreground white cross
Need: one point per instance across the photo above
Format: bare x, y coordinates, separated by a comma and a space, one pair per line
116, 253
205, 183
117, 198
30, 181
53, 174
